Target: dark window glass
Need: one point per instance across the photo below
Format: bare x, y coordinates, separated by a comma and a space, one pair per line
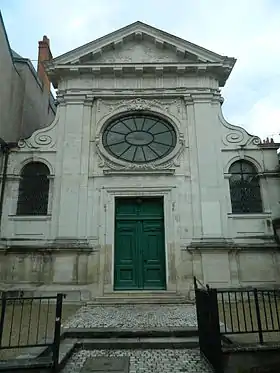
244, 188
33, 193
139, 138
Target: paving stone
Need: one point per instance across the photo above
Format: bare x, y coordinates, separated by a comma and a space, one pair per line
146, 361
134, 316
101, 364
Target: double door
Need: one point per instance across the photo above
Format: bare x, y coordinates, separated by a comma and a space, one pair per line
139, 244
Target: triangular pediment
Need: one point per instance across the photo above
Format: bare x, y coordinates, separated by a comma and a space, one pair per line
136, 51
139, 43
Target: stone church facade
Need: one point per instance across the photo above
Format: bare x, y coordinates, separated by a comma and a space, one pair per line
140, 183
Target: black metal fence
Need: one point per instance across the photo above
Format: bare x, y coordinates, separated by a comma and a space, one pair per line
208, 325
251, 315
27, 322
251, 311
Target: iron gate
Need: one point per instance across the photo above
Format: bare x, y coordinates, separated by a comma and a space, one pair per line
208, 325
30, 322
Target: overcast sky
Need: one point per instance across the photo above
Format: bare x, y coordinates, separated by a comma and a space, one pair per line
248, 30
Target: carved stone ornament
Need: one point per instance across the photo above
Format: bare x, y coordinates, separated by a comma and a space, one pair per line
172, 108
141, 52
44, 138
236, 135
135, 104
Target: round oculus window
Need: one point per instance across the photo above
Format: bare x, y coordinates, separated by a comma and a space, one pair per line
139, 138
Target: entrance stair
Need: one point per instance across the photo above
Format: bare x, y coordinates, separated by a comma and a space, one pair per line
141, 297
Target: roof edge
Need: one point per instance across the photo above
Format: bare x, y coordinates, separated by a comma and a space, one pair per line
132, 26
6, 36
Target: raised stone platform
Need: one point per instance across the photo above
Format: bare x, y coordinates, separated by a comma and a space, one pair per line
134, 316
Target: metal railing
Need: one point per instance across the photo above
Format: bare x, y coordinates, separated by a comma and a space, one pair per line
27, 322
250, 311
224, 312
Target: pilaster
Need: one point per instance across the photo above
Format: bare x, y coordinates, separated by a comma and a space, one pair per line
210, 179
72, 162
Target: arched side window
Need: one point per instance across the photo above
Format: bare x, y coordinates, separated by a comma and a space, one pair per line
244, 188
33, 193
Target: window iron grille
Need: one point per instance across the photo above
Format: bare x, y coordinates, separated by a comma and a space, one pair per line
244, 188
33, 192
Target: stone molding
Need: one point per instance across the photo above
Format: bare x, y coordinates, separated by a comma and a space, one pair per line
237, 136
20, 244
125, 69
231, 244
116, 55
43, 139
139, 31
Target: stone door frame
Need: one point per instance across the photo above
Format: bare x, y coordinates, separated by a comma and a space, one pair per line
107, 229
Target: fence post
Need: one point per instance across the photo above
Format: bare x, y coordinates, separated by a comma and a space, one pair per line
2, 317
195, 283
258, 313
215, 333
57, 330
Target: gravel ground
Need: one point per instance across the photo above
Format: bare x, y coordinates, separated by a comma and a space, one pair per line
146, 361
133, 316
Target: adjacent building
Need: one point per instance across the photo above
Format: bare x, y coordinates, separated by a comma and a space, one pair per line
26, 102
140, 183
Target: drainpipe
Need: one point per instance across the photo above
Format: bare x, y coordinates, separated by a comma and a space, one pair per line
5, 149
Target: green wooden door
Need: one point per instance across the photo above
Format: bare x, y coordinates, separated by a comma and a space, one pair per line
139, 244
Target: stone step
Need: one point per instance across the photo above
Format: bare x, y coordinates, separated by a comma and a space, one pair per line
143, 293
66, 349
42, 365
132, 301
151, 332
139, 343
140, 298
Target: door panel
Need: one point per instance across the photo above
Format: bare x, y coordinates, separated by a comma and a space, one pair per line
153, 255
139, 244
126, 255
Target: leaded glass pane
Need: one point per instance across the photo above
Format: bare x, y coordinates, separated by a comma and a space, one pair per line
114, 138
119, 149
119, 128
148, 123
164, 138
129, 153
159, 148
139, 155
149, 154
139, 123
157, 127
129, 123
139, 138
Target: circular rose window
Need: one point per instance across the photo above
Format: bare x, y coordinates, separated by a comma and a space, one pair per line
139, 138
